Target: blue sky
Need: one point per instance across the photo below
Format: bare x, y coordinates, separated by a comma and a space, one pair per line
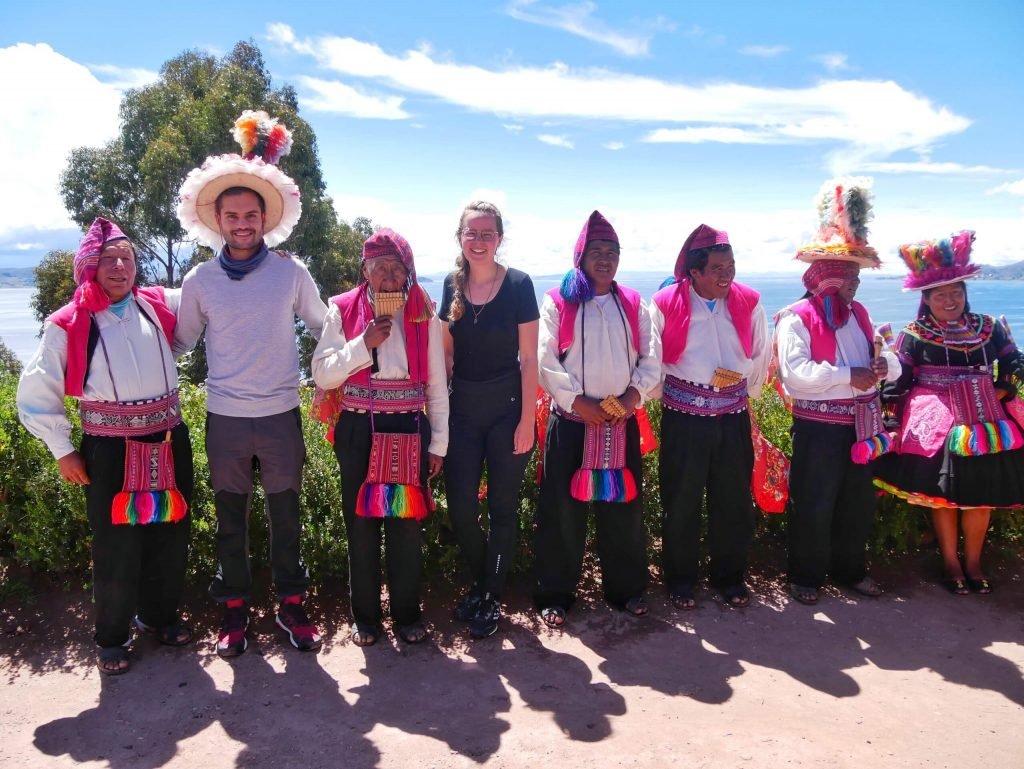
660, 114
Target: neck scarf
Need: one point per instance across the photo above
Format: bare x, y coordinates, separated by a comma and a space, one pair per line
823, 279
238, 269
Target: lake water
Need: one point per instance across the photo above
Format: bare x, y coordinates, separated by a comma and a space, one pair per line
882, 296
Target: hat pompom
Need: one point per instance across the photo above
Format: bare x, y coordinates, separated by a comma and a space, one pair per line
261, 136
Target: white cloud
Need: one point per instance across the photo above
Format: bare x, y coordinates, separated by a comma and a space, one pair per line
578, 19
123, 78
764, 51
925, 167
719, 134
333, 96
42, 91
557, 140
870, 119
833, 62
1010, 188
613, 145
513, 128
28, 246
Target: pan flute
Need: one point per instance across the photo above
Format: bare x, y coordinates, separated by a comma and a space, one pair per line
723, 377
613, 407
388, 302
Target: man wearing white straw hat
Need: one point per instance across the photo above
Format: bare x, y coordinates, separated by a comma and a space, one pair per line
247, 299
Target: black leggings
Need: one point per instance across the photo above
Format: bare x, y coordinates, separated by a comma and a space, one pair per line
482, 425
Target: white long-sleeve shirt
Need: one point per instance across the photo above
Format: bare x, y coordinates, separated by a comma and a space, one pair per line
805, 379
606, 343
250, 332
712, 342
137, 352
337, 358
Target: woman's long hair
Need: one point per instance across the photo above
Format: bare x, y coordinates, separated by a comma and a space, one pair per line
458, 306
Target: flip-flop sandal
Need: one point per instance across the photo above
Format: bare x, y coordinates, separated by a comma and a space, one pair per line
109, 661
175, 633
736, 597
363, 635
956, 585
805, 595
682, 598
553, 616
636, 606
413, 633
867, 587
981, 586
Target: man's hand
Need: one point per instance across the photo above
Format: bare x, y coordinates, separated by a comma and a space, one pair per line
630, 400
72, 468
589, 410
434, 465
879, 367
863, 378
378, 331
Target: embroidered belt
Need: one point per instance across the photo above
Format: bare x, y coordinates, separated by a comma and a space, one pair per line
704, 400
114, 419
840, 411
387, 396
941, 377
572, 417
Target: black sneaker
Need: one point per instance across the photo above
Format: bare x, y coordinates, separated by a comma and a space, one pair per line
293, 620
231, 640
465, 609
485, 621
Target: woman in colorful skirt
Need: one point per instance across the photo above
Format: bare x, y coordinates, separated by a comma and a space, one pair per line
110, 347
959, 451
490, 318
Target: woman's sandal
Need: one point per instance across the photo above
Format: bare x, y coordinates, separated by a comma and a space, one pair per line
682, 598
981, 586
805, 595
867, 587
635, 606
413, 633
113, 661
956, 585
175, 633
363, 635
736, 597
553, 616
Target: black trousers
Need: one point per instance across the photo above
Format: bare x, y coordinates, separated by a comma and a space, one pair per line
482, 426
135, 569
234, 445
403, 537
716, 455
832, 506
562, 524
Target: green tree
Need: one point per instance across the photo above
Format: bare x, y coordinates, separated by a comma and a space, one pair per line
170, 127
55, 283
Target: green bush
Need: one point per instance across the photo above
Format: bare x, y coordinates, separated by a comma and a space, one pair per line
43, 525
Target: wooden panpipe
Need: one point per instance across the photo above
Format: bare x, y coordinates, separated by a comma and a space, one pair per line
613, 407
723, 377
388, 302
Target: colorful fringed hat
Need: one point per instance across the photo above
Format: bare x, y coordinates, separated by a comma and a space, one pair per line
100, 232
704, 236
264, 141
935, 263
575, 284
844, 210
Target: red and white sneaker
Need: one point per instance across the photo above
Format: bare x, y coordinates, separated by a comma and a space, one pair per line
231, 641
292, 619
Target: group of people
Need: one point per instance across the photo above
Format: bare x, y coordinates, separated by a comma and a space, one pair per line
409, 391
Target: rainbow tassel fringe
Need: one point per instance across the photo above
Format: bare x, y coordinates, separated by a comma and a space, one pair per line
142, 507
864, 451
984, 438
603, 485
391, 500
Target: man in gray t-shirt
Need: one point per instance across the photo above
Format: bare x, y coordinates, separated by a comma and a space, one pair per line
246, 300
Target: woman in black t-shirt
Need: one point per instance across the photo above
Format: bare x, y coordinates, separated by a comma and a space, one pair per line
491, 353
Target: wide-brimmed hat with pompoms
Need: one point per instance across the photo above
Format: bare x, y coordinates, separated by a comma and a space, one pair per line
934, 263
264, 141
844, 210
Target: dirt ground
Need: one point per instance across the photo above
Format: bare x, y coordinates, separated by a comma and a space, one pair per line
918, 678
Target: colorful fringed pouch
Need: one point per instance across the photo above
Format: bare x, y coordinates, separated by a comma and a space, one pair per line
603, 475
392, 487
980, 422
872, 438
149, 494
